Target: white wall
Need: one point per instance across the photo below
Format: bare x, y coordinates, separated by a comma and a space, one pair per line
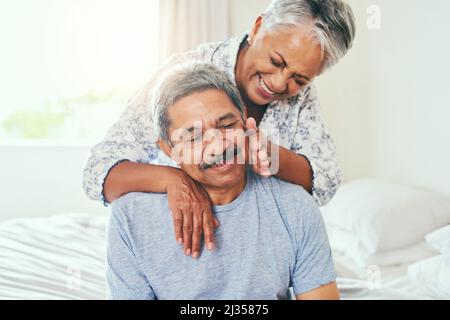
344, 94
42, 180
410, 105
388, 101
244, 13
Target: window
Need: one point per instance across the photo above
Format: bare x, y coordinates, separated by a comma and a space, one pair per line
69, 66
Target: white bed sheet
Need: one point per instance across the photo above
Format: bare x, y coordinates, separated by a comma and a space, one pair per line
374, 283
62, 257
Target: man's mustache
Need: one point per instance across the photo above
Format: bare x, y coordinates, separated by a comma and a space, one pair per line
228, 154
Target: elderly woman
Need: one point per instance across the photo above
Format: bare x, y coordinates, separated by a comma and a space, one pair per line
273, 67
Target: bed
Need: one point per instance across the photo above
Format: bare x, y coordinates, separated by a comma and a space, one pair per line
62, 257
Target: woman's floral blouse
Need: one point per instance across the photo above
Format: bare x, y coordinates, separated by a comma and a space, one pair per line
294, 123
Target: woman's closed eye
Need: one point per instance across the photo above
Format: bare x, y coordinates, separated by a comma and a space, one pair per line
279, 64
276, 63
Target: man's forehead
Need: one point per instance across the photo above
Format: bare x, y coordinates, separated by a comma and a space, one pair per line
208, 120
203, 109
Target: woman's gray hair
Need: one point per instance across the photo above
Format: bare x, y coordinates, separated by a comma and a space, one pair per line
181, 81
333, 22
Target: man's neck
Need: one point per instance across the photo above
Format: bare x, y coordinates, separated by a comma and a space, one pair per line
222, 196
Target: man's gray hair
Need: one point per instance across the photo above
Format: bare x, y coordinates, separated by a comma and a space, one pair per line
183, 80
333, 22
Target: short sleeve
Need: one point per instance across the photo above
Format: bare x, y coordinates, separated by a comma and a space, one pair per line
124, 277
314, 262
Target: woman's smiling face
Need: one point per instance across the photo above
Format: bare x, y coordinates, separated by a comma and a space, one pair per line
278, 63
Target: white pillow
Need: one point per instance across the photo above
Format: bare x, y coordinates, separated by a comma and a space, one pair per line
382, 217
345, 243
440, 239
432, 275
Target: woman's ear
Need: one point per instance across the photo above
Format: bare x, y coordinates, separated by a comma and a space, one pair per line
255, 29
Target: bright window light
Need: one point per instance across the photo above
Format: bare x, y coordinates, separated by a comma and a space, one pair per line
68, 66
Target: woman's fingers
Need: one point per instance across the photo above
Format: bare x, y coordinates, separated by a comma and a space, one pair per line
252, 134
264, 161
258, 146
259, 157
209, 224
253, 149
178, 226
197, 233
250, 125
187, 231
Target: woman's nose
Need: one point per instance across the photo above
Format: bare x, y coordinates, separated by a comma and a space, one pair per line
279, 82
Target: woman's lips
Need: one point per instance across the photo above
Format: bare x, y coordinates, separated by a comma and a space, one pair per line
263, 90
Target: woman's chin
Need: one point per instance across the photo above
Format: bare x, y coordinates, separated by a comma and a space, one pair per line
259, 100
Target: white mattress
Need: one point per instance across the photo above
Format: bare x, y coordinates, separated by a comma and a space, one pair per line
62, 257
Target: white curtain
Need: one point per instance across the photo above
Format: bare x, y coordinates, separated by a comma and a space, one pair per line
184, 24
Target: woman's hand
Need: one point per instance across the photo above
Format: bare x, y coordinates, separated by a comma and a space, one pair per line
192, 215
258, 149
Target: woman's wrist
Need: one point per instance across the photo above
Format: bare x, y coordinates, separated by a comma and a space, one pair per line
130, 176
174, 177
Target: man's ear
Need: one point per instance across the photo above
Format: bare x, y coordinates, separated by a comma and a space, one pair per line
164, 147
167, 149
255, 29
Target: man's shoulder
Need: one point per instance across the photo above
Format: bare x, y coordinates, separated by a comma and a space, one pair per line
289, 192
136, 204
296, 206
134, 198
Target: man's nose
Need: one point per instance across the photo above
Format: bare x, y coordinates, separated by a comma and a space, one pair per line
222, 143
216, 145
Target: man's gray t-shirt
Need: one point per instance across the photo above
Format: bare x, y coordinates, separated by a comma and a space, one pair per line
271, 237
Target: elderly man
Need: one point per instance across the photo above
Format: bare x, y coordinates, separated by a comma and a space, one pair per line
271, 235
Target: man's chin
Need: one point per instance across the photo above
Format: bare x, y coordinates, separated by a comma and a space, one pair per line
224, 174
